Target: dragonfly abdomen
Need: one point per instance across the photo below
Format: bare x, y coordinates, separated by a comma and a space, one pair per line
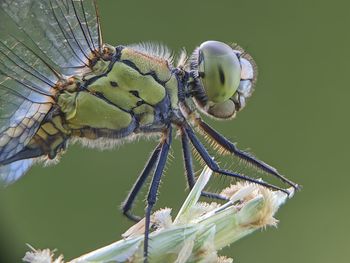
48, 141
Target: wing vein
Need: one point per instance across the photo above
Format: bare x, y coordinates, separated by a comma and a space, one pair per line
72, 34
40, 77
87, 25
65, 35
81, 26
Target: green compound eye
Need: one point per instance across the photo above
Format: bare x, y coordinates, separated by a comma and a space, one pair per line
219, 70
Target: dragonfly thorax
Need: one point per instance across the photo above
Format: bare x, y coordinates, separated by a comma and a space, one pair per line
135, 92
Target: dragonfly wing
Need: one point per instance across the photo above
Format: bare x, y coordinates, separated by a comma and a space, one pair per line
25, 99
41, 44
66, 31
13, 171
26, 95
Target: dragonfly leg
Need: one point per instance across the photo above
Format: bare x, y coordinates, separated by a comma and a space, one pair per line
153, 190
229, 146
127, 204
215, 167
187, 155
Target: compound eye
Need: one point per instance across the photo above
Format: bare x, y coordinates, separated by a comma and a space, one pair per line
219, 70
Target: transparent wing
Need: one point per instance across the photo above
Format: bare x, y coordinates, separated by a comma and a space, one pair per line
26, 95
66, 31
41, 43
13, 171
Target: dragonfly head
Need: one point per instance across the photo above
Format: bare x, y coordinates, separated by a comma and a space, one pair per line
223, 78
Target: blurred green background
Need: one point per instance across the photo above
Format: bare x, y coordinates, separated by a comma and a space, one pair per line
297, 120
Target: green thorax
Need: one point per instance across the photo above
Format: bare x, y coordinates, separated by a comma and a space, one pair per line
117, 94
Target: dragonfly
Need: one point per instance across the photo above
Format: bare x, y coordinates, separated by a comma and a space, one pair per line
60, 84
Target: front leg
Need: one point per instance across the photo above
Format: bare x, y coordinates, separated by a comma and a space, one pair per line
187, 156
215, 167
231, 148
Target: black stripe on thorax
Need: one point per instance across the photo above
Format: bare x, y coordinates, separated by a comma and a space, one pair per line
152, 73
